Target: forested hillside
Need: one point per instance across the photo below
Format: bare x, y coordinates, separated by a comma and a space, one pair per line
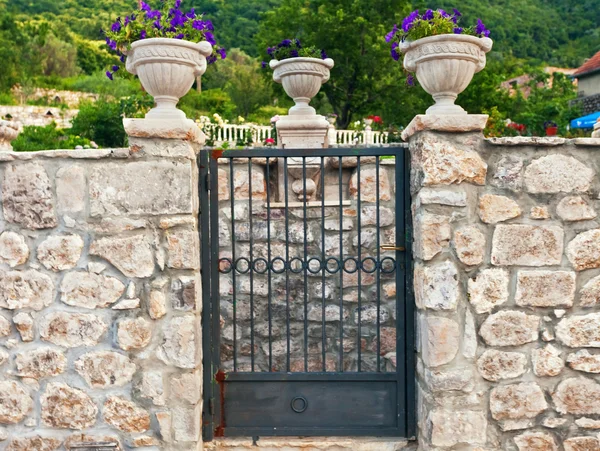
59, 43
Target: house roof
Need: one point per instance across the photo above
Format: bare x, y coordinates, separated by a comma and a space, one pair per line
591, 65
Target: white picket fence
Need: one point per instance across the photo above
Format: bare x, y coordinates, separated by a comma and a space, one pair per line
232, 134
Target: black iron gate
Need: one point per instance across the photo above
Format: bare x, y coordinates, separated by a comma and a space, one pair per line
308, 321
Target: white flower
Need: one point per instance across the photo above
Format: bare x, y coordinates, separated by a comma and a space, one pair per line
241, 120
275, 119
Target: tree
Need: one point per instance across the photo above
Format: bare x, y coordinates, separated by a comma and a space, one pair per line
352, 33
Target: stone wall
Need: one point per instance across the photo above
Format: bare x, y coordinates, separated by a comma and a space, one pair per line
99, 297
507, 283
39, 116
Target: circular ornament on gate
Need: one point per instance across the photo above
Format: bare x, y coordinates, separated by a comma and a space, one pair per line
299, 404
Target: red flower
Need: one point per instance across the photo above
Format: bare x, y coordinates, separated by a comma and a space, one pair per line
269, 141
376, 119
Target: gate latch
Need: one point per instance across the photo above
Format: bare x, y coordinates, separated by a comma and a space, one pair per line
392, 247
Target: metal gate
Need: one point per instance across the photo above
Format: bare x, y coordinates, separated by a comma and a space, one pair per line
308, 321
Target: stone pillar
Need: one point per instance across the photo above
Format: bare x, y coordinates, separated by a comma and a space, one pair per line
451, 400
8, 133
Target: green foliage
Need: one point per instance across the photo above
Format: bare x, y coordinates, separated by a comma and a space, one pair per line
102, 121
50, 137
292, 48
264, 114
91, 58
433, 23
195, 104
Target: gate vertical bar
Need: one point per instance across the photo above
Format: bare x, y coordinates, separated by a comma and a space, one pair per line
401, 351
409, 304
214, 285
207, 307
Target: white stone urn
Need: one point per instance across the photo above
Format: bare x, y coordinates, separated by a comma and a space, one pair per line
8, 133
167, 69
444, 65
302, 79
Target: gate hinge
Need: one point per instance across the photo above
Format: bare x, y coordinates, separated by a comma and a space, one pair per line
207, 181
211, 406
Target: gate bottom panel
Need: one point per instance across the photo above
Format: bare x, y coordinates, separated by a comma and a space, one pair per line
311, 405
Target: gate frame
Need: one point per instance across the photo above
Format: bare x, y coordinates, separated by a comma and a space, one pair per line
213, 418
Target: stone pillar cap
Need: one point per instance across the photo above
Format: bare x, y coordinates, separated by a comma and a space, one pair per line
184, 129
455, 123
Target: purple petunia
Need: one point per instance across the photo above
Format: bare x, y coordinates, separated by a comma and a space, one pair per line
198, 25
154, 15
458, 30
428, 15
115, 68
222, 52
285, 43
191, 14
481, 30
297, 41
410, 80
264, 64
180, 36
210, 38
122, 58
391, 34
209, 25
294, 54
157, 25
109, 75
143, 34
443, 13
271, 51
145, 7
177, 3
395, 52
408, 22
211, 59
116, 27
456, 15
323, 54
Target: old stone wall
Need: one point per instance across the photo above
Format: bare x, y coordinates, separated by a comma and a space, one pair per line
99, 297
507, 283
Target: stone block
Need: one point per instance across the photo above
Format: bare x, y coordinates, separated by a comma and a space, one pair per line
436, 286
72, 330
40, 363
494, 209
132, 255
89, 290
555, 289
27, 197
510, 328
574, 208
180, 345
470, 243
368, 185
35, 443
517, 401
580, 331
496, 365
508, 173
452, 427
25, 290
547, 361
488, 290
582, 444
432, 235
585, 362
15, 402
65, 407
557, 173
439, 338
134, 333
71, 188
141, 188
105, 369
125, 415
584, 250
13, 249
183, 249
577, 396
525, 245
536, 441
60, 252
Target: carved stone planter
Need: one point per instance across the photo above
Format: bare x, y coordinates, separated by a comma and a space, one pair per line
8, 133
302, 79
167, 69
445, 65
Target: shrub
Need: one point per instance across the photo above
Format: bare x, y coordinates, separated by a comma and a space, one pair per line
49, 137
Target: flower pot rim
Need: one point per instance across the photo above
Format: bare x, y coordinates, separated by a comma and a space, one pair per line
483, 42
204, 47
328, 62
